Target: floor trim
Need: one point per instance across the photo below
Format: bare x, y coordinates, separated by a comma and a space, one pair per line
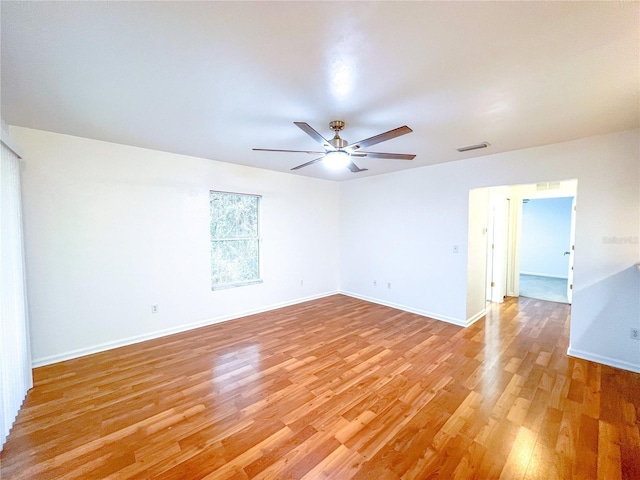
545, 275
476, 317
612, 362
81, 352
435, 316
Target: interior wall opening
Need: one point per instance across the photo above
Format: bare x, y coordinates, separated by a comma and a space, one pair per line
499, 240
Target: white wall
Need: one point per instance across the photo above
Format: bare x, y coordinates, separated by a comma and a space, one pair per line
400, 227
113, 229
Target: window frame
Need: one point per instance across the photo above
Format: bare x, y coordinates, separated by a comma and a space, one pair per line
257, 238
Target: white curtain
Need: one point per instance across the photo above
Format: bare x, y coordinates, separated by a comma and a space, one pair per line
15, 355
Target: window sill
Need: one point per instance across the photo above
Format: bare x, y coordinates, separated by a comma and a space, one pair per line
234, 285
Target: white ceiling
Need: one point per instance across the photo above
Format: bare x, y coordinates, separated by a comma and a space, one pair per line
214, 79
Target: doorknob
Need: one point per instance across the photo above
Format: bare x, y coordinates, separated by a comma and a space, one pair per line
567, 253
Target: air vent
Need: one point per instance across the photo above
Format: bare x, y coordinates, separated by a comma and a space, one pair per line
473, 147
547, 186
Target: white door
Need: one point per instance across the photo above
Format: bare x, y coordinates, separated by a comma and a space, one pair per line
490, 250
497, 250
572, 243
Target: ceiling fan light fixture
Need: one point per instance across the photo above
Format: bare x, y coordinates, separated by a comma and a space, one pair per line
337, 160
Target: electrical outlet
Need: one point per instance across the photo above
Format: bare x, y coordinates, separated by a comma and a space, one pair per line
455, 249
388, 284
154, 308
635, 333
302, 283
375, 283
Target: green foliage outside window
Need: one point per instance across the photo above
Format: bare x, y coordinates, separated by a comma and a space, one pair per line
235, 242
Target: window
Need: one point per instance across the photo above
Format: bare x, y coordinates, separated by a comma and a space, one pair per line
235, 241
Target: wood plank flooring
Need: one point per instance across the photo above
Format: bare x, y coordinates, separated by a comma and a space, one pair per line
335, 388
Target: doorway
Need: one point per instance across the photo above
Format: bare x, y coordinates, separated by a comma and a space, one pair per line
545, 248
502, 209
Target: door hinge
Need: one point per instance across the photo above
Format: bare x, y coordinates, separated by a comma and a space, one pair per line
571, 287
493, 284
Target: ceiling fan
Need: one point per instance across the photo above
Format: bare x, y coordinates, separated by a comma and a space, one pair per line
338, 153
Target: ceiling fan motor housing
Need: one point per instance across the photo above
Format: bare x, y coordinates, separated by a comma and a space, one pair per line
338, 143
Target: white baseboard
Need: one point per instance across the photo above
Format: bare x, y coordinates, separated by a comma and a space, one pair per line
42, 361
435, 316
536, 274
473, 319
612, 362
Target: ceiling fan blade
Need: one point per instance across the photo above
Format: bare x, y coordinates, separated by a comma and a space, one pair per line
308, 163
383, 137
306, 128
355, 169
392, 156
294, 151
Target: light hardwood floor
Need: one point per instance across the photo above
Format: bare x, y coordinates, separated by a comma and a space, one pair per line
336, 388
